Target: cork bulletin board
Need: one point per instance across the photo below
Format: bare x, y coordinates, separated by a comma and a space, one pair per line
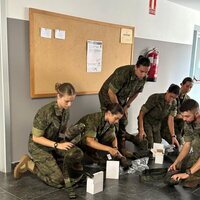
65, 60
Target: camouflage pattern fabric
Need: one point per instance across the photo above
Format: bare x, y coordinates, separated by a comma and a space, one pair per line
141, 144
96, 127
188, 162
152, 133
50, 122
192, 135
178, 123
153, 174
74, 133
155, 110
103, 132
180, 101
178, 129
124, 83
47, 164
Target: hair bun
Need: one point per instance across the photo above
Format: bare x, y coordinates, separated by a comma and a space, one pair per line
57, 85
140, 57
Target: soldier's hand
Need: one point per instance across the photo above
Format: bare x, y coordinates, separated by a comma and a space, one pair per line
113, 151
175, 142
180, 176
142, 134
65, 145
172, 167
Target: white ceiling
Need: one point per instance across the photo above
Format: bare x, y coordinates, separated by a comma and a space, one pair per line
194, 4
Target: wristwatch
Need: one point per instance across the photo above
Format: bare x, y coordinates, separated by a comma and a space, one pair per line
55, 145
188, 171
173, 136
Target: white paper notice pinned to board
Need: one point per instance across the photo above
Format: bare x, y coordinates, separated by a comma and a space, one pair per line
60, 34
45, 32
126, 36
94, 56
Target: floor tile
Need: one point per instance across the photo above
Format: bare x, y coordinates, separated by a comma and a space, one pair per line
29, 187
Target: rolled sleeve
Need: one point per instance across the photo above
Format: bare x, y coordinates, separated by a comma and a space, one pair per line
40, 124
173, 110
87, 134
173, 113
144, 109
90, 133
187, 138
117, 82
36, 132
187, 133
150, 103
114, 90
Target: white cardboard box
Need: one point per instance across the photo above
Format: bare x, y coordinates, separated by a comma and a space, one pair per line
112, 169
158, 152
95, 184
159, 158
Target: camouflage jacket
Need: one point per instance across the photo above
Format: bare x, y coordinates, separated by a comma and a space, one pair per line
180, 100
156, 108
50, 121
192, 134
124, 83
95, 125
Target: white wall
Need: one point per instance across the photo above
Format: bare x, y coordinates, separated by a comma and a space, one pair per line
5, 136
173, 66
172, 23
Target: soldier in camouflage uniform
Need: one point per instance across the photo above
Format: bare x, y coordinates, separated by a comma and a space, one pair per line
188, 161
47, 148
122, 87
99, 136
156, 108
186, 86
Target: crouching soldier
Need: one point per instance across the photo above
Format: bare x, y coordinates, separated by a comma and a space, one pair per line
186, 86
46, 148
99, 138
156, 108
186, 167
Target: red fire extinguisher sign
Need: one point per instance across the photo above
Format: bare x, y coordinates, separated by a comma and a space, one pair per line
152, 7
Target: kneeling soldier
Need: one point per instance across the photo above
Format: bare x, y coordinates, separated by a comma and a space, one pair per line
188, 161
99, 137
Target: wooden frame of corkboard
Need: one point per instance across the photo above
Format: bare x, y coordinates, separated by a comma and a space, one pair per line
54, 60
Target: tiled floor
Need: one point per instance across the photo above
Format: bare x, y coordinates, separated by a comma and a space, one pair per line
127, 187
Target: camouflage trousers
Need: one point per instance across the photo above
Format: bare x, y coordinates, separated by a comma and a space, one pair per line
121, 131
141, 144
178, 129
56, 167
94, 155
187, 163
153, 133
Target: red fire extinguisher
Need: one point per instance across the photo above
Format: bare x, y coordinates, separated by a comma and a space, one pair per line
153, 56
